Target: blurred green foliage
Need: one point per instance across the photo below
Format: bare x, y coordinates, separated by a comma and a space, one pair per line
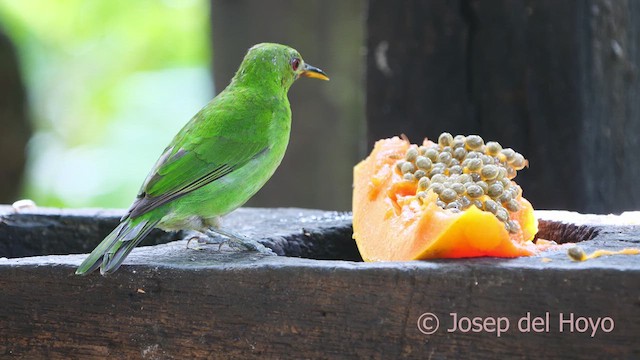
109, 82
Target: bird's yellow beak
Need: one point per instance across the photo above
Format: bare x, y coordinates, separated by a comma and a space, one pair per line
313, 72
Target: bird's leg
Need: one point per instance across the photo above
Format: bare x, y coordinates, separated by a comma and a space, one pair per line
196, 237
202, 238
238, 241
189, 240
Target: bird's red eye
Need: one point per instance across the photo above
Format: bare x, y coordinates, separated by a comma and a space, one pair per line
295, 63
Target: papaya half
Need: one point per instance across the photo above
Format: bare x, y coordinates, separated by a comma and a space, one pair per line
452, 199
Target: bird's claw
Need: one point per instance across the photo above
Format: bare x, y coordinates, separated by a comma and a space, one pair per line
235, 241
191, 239
205, 240
239, 242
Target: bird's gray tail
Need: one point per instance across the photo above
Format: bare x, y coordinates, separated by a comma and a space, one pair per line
111, 252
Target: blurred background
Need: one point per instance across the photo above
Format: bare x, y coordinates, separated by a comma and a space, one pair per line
92, 91
107, 84
97, 90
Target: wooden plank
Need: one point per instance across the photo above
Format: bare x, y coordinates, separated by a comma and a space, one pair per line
556, 80
171, 302
292, 307
50, 231
286, 231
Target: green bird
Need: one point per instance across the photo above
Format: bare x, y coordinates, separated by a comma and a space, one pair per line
219, 159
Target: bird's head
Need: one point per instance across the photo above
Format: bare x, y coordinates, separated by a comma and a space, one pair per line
275, 64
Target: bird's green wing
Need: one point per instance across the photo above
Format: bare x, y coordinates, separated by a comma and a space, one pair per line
189, 165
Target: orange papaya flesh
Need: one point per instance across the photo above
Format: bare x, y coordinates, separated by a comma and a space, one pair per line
391, 223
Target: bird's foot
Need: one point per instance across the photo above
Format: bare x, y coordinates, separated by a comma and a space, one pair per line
205, 239
235, 241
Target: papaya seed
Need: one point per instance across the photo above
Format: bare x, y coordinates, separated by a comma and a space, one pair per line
445, 139
493, 148
423, 163
474, 142
419, 174
408, 167
412, 154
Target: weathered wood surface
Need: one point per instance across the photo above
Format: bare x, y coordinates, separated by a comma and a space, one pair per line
168, 301
291, 232
556, 80
47, 231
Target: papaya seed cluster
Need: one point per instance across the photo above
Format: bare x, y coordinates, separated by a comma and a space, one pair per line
464, 171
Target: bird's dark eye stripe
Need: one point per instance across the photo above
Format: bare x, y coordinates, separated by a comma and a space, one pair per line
295, 63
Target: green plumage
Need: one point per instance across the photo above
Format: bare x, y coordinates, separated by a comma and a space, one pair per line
219, 159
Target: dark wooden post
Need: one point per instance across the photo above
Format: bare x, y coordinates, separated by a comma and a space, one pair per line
327, 136
557, 80
15, 128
